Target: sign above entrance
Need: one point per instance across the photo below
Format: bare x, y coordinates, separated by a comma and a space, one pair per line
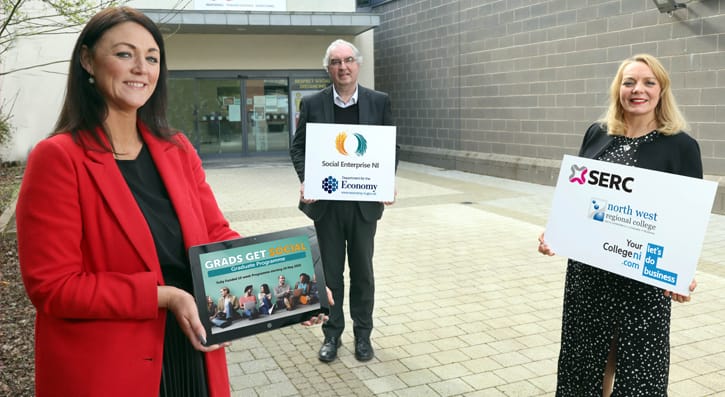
309, 83
241, 5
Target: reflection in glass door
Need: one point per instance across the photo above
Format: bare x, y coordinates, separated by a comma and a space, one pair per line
223, 116
219, 115
182, 109
267, 102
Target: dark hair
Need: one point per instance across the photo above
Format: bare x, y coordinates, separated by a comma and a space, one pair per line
248, 288
305, 278
265, 288
84, 108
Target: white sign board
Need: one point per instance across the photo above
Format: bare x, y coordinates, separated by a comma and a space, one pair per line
241, 5
638, 223
352, 162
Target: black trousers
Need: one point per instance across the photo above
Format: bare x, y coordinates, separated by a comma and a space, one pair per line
343, 230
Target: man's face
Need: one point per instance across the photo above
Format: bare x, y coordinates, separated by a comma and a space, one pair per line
343, 67
281, 280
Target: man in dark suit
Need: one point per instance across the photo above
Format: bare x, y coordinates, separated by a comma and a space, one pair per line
344, 225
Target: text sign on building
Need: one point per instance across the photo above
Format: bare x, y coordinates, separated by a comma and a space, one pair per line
352, 162
642, 224
308, 83
241, 5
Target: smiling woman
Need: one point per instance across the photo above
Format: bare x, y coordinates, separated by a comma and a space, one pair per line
124, 65
612, 326
129, 197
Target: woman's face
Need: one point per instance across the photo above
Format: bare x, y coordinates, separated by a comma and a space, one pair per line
640, 91
125, 63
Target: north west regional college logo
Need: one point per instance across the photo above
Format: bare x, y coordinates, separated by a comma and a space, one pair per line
344, 146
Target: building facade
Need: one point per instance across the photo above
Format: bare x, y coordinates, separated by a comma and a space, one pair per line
507, 87
499, 87
237, 70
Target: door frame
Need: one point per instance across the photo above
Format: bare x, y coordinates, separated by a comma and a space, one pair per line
242, 76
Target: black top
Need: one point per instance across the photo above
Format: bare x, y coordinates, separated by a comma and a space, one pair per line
183, 372
348, 115
147, 187
677, 154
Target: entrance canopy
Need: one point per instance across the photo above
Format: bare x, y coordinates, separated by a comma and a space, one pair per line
252, 22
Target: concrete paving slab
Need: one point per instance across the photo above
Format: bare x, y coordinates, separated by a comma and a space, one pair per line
465, 306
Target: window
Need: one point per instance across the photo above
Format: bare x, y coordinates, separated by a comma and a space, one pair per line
363, 5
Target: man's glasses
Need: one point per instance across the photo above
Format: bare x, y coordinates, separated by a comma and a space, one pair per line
346, 61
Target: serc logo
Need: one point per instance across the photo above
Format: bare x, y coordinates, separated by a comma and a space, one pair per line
329, 184
582, 175
578, 174
343, 147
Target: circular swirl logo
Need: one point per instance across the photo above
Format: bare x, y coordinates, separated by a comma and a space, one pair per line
344, 145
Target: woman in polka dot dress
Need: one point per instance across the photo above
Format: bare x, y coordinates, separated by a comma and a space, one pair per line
615, 331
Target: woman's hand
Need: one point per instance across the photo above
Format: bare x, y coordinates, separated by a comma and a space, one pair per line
682, 298
320, 318
543, 248
183, 306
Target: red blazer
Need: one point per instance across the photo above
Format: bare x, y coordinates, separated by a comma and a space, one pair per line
90, 266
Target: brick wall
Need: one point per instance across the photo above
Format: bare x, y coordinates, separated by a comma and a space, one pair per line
507, 87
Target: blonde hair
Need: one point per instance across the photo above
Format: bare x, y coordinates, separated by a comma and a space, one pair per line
668, 117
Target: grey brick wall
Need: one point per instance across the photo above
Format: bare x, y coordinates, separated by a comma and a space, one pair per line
507, 87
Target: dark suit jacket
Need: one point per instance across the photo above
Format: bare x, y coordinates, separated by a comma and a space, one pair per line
676, 154
374, 109
90, 267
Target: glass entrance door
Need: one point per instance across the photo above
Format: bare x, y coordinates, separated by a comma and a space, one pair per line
268, 122
242, 116
220, 121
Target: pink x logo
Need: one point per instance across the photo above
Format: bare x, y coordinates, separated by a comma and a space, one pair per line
581, 178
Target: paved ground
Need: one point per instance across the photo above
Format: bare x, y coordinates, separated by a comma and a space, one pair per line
465, 306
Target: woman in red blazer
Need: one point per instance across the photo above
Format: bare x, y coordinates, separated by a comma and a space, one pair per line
108, 207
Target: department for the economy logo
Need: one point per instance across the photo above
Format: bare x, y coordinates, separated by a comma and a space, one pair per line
346, 146
329, 184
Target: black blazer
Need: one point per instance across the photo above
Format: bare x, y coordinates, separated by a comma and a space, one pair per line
676, 154
374, 109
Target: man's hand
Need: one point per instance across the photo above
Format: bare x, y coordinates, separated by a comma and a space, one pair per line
395, 197
302, 195
320, 318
